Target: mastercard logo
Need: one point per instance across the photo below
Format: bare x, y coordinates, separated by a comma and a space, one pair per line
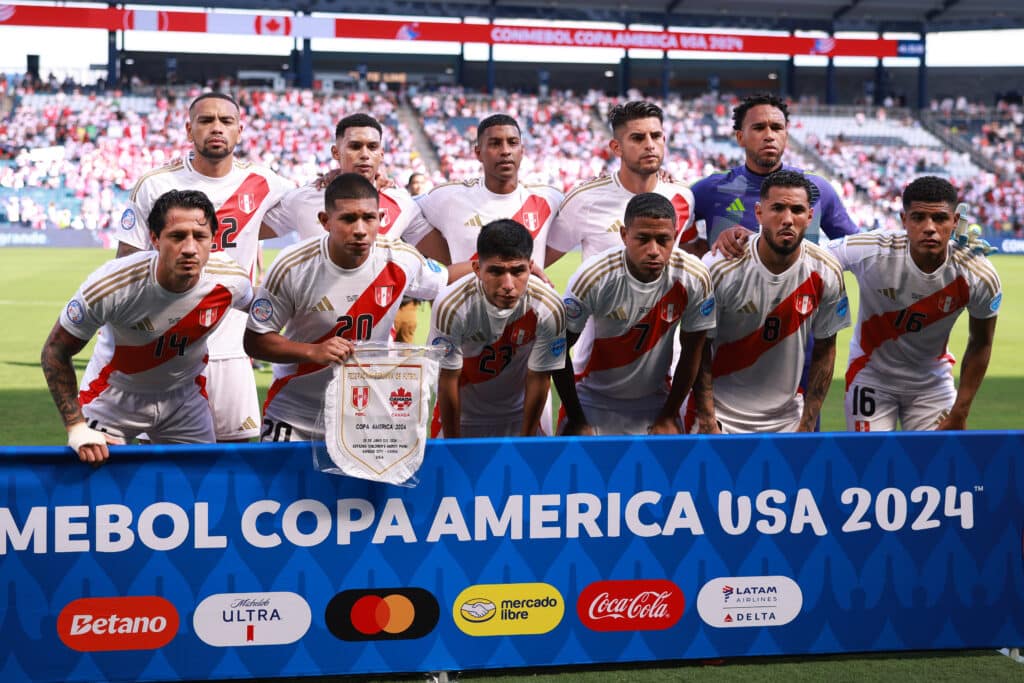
382, 614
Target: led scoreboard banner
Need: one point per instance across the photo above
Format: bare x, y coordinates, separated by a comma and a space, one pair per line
300, 26
195, 563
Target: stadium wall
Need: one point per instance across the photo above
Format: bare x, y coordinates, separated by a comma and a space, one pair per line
210, 562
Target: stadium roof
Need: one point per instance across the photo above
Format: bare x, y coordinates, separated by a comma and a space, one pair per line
827, 15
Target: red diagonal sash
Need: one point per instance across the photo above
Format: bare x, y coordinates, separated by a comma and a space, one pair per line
242, 203
742, 353
532, 215
881, 328
516, 334
135, 359
617, 352
389, 213
391, 278
682, 208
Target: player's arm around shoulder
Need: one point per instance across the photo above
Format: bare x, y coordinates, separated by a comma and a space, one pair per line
447, 324
224, 270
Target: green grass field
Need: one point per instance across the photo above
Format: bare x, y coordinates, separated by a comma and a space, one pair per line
37, 283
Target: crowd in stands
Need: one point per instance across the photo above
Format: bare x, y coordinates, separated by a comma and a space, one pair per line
69, 160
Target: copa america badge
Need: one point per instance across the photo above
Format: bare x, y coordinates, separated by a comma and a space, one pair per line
261, 310
76, 313
128, 220
573, 308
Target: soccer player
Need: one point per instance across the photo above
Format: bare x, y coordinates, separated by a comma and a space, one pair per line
591, 214
913, 287
771, 300
504, 334
725, 202
460, 210
159, 308
637, 294
329, 292
242, 194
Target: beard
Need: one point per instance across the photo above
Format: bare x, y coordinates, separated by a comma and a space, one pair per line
782, 249
767, 163
214, 154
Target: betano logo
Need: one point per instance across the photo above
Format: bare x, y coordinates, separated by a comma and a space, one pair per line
635, 605
144, 622
382, 614
504, 609
742, 601
239, 619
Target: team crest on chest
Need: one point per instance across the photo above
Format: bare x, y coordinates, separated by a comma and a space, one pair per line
531, 221
360, 397
947, 304
804, 304
247, 202
384, 295
669, 312
207, 317
385, 217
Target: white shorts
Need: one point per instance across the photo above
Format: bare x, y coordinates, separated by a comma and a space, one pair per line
277, 430
231, 386
614, 416
178, 416
872, 409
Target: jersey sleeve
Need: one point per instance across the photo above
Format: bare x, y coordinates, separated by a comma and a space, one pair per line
450, 338
243, 296
986, 290
134, 230
429, 278
700, 306
564, 233
835, 221
296, 212
81, 320
270, 311
548, 352
418, 227
833, 312
577, 309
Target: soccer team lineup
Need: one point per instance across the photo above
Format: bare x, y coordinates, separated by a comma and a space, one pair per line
704, 309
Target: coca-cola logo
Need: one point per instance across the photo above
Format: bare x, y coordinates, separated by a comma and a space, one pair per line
637, 605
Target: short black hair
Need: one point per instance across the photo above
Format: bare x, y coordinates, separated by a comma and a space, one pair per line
504, 239
621, 114
930, 188
740, 111
349, 186
495, 120
358, 121
213, 96
649, 205
180, 199
787, 179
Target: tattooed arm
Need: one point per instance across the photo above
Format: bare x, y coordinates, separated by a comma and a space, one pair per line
58, 350
819, 378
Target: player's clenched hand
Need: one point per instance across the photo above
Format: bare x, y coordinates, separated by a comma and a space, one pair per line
665, 425
952, 423
90, 444
732, 241
334, 350
708, 427
577, 429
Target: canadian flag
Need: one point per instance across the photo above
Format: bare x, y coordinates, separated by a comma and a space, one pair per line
273, 26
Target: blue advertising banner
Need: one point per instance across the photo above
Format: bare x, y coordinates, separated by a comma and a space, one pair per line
226, 562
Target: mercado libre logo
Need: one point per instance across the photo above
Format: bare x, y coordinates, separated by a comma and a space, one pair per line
239, 619
503, 609
382, 614
144, 622
636, 605
745, 601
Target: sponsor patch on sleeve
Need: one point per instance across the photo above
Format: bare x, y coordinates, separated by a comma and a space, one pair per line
708, 307
842, 307
434, 265
573, 307
128, 220
76, 312
261, 310
994, 306
558, 347
449, 347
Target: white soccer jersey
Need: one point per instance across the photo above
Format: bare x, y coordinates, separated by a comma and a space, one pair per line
153, 340
299, 208
241, 199
317, 299
592, 214
626, 351
905, 314
459, 210
494, 351
764, 323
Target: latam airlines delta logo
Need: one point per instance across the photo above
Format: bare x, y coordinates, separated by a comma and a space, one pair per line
506, 609
637, 605
741, 601
239, 619
144, 622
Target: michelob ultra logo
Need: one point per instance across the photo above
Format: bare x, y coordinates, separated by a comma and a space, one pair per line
382, 614
239, 619
504, 609
144, 622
